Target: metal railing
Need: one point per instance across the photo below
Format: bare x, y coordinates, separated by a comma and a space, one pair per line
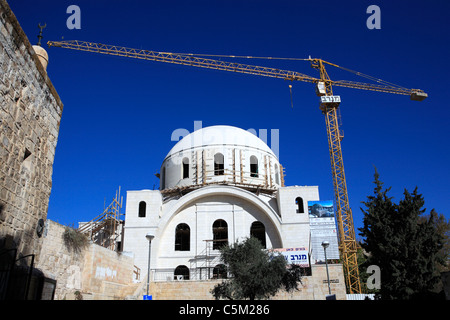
193, 274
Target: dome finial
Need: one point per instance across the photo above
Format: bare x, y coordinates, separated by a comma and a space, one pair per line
40, 33
40, 52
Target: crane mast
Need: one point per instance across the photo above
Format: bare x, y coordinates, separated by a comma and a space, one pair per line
346, 230
329, 106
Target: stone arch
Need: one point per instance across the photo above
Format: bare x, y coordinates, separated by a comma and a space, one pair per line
271, 216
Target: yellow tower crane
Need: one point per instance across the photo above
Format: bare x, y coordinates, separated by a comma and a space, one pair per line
329, 105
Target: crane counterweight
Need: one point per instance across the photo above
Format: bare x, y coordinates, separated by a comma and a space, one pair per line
418, 96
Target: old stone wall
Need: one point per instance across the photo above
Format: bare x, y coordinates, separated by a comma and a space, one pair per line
337, 281
107, 275
60, 262
95, 272
30, 114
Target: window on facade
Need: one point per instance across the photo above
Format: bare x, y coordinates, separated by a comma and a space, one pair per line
26, 154
299, 203
182, 237
253, 167
181, 273
218, 164
258, 231
185, 168
220, 272
220, 234
142, 209
277, 175
26, 163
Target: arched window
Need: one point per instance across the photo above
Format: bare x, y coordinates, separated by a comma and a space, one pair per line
185, 168
277, 175
258, 231
218, 164
253, 167
220, 234
220, 272
182, 237
181, 273
142, 209
299, 203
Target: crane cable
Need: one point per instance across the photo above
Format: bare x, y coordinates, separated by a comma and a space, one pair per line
240, 57
357, 73
377, 80
381, 81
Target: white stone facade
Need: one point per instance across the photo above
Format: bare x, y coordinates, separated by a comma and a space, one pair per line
212, 202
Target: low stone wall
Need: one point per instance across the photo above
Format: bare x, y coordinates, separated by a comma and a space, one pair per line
95, 272
59, 262
182, 290
107, 275
319, 281
312, 287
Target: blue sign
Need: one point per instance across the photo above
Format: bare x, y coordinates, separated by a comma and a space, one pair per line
147, 297
295, 256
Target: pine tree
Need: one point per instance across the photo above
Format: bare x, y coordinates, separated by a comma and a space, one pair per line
442, 226
403, 246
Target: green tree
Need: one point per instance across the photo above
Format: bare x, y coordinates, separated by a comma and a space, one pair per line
255, 273
363, 275
442, 226
405, 246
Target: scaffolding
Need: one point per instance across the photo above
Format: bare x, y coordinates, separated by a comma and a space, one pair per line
211, 259
106, 229
260, 181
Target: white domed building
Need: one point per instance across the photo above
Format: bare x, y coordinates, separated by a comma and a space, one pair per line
218, 185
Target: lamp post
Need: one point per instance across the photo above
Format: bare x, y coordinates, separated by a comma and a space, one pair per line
149, 237
325, 245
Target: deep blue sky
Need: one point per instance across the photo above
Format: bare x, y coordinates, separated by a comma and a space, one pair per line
119, 113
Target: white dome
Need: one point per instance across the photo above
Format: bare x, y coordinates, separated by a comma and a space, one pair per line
220, 136
220, 154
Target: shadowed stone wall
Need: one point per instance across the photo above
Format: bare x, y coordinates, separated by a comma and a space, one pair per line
30, 114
